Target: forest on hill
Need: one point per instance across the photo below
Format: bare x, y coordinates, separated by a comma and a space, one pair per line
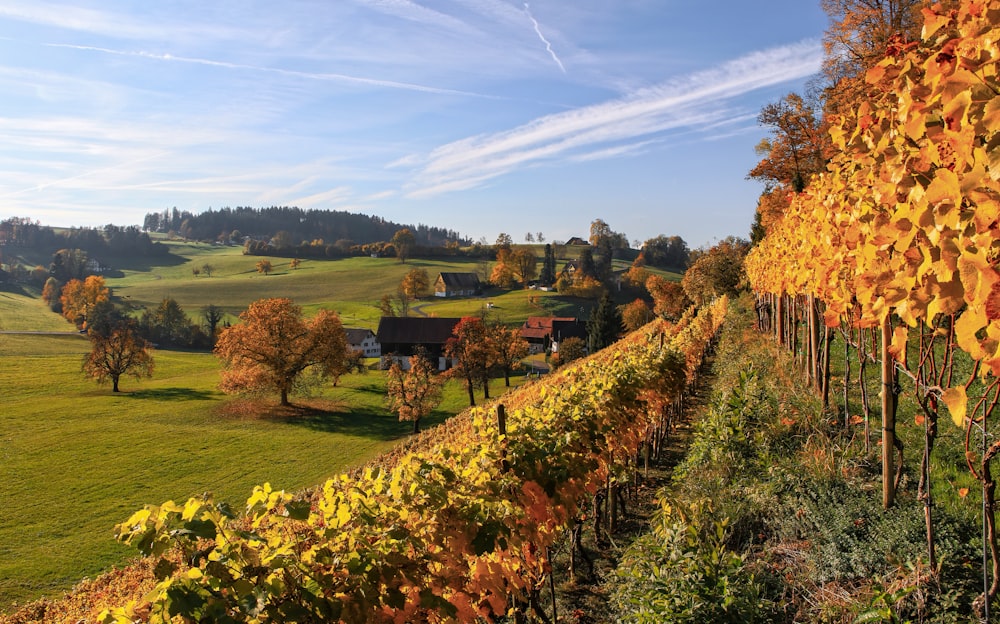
335, 227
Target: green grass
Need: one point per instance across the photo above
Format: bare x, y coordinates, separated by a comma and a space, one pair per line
77, 458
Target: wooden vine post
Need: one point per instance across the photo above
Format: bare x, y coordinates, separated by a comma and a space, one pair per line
888, 416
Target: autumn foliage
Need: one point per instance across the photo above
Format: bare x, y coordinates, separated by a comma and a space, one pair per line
79, 298
455, 530
119, 352
274, 345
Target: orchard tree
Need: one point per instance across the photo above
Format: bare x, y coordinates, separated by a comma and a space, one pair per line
118, 351
413, 394
385, 306
78, 298
274, 345
508, 349
264, 266
470, 347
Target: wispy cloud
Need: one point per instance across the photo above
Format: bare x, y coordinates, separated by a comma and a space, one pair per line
322, 76
688, 102
538, 31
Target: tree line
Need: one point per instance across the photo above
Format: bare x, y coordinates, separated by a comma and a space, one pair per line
336, 227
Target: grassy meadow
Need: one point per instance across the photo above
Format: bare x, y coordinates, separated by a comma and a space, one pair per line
77, 459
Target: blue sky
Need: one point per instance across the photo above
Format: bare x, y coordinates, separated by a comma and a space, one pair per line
483, 116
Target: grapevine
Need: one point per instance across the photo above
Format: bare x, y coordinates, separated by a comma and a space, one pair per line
456, 528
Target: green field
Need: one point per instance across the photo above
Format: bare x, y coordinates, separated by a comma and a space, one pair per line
77, 459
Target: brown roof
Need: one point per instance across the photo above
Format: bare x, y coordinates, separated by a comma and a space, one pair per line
415, 330
541, 326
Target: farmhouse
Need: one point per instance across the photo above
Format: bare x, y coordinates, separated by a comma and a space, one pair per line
545, 332
457, 285
401, 337
363, 341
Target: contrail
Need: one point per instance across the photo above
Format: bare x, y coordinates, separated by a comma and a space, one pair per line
548, 46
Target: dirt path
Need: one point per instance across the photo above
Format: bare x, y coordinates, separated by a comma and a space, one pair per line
587, 600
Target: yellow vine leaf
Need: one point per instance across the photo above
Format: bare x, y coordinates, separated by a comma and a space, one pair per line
956, 399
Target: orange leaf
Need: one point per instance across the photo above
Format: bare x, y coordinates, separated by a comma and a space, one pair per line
919, 419
963, 492
957, 401
857, 419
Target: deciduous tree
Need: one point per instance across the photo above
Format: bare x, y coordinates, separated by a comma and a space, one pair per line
51, 293
79, 297
635, 314
212, 315
525, 264
264, 266
570, 349
669, 299
470, 348
274, 345
415, 284
403, 242
508, 349
413, 394
117, 352
717, 271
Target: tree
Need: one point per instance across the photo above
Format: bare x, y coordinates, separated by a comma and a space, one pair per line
413, 394
264, 266
117, 352
669, 299
604, 324
212, 315
207, 269
469, 347
502, 275
796, 148
415, 284
403, 241
168, 323
859, 34
717, 271
273, 346
79, 297
504, 241
508, 349
635, 315
525, 264
599, 229
51, 293
294, 263
529, 237
570, 349
385, 306
587, 267
548, 273
666, 251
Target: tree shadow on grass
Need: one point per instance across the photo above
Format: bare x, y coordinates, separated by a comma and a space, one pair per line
173, 394
365, 421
